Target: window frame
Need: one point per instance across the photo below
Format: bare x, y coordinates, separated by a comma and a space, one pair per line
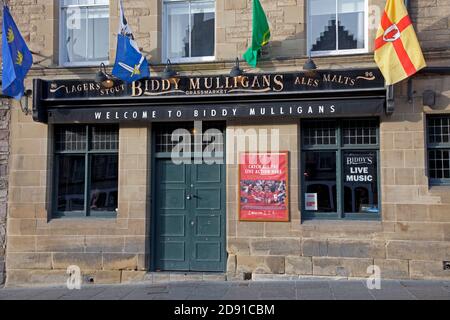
338, 52
88, 154
435, 146
61, 47
339, 148
165, 28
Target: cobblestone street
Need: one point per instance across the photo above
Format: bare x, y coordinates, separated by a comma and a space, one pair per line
256, 290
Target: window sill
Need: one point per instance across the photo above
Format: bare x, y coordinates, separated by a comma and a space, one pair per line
190, 60
325, 54
366, 226
77, 216
439, 188
65, 222
93, 64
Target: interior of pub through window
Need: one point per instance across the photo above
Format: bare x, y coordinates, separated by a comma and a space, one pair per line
84, 26
189, 30
337, 27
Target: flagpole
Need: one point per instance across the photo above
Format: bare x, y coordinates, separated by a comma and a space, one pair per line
409, 85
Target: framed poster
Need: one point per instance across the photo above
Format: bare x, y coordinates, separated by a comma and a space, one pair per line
263, 186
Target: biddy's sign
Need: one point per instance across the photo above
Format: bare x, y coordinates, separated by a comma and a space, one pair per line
218, 85
360, 167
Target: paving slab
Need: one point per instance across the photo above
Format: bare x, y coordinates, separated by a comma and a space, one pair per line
321, 289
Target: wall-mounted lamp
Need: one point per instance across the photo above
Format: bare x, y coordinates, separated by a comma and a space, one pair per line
310, 65
169, 73
429, 98
106, 80
24, 101
236, 71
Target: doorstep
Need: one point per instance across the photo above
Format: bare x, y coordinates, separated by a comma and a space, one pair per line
167, 277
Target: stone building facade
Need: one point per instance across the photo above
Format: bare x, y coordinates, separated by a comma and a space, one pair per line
4, 157
410, 239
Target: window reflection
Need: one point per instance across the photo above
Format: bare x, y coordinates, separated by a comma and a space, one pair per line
104, 183
71, 183
337, 24
320, 179
190, 28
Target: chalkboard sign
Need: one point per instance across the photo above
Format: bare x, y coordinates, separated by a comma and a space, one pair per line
360, 167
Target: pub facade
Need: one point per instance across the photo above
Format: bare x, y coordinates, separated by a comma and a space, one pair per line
277, 172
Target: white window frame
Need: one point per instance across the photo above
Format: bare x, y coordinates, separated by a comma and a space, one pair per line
344, 51
165, 34
63, 49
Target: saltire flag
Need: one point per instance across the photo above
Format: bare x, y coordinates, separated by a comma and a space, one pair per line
16, 57
397, 50
260, 34
131, 64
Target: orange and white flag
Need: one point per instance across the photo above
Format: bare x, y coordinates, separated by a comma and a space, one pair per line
397, 50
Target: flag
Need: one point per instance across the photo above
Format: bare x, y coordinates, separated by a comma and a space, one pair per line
397, 50
131, 64
16, 57
260, 34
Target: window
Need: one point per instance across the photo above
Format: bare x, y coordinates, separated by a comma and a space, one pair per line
340, 168
189, 30
211, 137
337, 27
86, 170
84, 32
438, 133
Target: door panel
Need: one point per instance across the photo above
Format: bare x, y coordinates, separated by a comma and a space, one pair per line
172, 238
208, 213
208, 226
208, 253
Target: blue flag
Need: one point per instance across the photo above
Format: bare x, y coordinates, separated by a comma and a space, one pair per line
131, 64
16, 57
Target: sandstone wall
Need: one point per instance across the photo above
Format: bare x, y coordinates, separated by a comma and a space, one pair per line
4, 157
411, 240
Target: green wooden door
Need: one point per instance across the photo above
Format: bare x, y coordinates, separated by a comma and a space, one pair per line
190, 216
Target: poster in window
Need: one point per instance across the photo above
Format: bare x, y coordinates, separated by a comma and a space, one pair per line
360, 167
263, 187
311, 202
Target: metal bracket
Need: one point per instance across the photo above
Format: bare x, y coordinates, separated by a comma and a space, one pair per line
410, 90
390, 102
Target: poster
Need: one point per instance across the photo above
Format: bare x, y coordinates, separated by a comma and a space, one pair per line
311, 202
263, 187
360, 167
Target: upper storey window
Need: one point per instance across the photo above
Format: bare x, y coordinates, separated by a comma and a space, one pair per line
189, 30
84, 32
337, 27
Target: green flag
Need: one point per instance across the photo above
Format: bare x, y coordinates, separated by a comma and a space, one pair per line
260, 34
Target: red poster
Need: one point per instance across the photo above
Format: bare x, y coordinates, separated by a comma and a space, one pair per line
263, 187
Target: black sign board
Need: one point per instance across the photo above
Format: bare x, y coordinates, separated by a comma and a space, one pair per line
360, 167
218, 85
218, 111
298, 94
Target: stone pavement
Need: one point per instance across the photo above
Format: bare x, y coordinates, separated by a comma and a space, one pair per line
250, 290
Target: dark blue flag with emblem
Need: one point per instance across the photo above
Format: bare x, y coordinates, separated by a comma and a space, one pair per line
16, 58
131, 64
